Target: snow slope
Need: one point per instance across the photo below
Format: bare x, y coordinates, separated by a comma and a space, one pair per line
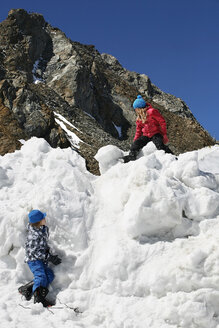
139, 244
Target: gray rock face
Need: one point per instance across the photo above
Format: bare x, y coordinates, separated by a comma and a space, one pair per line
42, 72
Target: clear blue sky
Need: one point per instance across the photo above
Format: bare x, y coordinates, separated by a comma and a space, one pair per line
174, 42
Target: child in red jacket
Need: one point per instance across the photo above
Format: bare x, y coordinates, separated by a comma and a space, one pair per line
150, 126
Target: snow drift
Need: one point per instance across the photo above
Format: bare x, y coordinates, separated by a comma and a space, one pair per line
139, 244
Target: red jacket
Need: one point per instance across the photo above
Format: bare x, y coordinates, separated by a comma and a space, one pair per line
155, 123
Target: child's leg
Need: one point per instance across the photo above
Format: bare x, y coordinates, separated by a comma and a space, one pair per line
40, 276
135, 147
49, 274
158, 141
140, 143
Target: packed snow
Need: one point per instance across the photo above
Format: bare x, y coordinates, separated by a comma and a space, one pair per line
139, 243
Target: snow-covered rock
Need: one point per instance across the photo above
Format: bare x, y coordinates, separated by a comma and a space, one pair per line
139, 244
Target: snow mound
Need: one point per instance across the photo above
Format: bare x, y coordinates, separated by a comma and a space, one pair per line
139, 244
159, 194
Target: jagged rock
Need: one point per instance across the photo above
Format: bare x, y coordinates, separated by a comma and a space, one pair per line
23, 40
10, 132
32, 116
43, 72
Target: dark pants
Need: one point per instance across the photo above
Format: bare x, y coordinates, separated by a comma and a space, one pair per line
43, 275
143, 140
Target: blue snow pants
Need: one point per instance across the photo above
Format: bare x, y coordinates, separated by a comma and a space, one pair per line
43, 275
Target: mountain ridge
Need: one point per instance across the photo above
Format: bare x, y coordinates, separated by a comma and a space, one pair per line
42, 72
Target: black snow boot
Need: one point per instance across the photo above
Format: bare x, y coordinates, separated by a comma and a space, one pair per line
40, 296
130, 157
26, 290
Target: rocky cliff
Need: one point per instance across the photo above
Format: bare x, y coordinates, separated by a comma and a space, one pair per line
43, 75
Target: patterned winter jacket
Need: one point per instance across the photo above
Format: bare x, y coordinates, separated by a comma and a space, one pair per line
36, 246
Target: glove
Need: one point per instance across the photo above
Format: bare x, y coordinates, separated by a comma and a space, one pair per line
54, 259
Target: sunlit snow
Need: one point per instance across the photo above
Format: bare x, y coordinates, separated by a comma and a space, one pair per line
72, 137
139, 244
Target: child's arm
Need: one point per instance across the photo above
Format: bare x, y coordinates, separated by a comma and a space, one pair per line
138, 131
163, 128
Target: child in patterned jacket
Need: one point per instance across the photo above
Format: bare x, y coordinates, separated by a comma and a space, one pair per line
38, 256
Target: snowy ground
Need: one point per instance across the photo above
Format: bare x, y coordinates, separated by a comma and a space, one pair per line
139, 244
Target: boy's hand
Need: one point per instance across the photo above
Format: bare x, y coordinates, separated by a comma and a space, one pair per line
55, 259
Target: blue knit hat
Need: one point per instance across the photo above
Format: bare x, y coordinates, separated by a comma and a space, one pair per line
36, 216
139, 102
